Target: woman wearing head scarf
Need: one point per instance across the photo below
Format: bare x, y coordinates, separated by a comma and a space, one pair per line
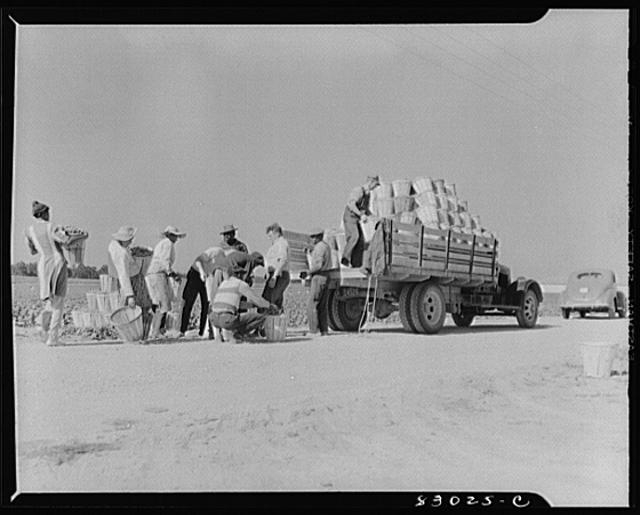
157, 278
130, 275
45, 238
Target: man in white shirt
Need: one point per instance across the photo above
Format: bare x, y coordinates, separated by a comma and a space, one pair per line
197, 276
277, 263
157, 278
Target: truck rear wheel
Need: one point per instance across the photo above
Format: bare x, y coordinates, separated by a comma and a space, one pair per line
528, 315
404, 308
428, 308
333, 312
350, 312
463, 319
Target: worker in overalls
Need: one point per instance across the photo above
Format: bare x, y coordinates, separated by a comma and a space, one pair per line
357, 210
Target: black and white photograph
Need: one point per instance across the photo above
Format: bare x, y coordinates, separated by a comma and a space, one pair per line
323, 257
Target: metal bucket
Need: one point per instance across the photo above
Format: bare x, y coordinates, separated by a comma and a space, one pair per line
275, 327
128, 323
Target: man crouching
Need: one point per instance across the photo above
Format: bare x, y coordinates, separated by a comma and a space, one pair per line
226, 303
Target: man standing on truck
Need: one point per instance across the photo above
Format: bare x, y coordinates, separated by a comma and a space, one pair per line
356, 210
317, 306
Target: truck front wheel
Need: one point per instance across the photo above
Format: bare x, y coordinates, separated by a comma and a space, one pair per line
463, 319
527, 316
566, 313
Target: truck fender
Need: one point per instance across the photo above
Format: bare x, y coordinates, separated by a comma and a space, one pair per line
518, 287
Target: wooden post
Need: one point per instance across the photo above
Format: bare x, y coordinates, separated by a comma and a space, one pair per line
421, 245
446, 259
473, 251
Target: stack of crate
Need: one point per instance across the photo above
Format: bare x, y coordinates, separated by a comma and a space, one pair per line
433, 203
100, 305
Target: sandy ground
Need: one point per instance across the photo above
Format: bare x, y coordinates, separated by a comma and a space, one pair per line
493, 407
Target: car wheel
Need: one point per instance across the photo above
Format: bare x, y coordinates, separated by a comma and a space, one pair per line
611, 312
566, 313
583, 314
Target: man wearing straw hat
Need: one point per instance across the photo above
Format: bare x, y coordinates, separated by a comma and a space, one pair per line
229, 240
356, 211
158, 274
225, 312
129, 273
317, 305
45, 238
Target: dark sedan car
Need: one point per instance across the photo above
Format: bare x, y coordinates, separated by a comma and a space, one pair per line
593, 290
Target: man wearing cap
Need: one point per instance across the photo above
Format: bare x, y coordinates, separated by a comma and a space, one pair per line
356, 210
229, 240
157, 278
277, 262
320, 262
197, 276
45, 238
226, 303
129, 273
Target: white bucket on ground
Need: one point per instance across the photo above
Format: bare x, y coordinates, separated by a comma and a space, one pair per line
597, 358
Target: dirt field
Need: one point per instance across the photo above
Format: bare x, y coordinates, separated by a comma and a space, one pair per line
493, 407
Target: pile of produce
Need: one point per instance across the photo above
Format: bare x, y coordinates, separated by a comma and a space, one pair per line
140, 251
74, 233
433, 203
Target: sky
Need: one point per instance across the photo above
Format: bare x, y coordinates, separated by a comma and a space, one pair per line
202, 126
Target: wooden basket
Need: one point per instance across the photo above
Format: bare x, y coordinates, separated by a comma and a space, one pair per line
75, 251
383, 190
438, 187
422, 185
92, 301
402, 204
128, 323
385, 207
401, 188
426, 198
275, 327
427, 215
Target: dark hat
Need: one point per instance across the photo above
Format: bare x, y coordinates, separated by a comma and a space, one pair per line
374, 178
37, 208
316, 231
228, 228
